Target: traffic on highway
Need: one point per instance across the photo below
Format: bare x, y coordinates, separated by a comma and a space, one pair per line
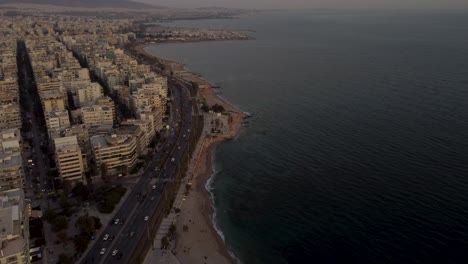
122, 236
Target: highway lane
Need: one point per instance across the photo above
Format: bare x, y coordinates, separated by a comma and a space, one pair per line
139, 226
127, 245
132, 210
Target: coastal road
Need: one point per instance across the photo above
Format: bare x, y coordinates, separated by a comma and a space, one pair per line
143, 200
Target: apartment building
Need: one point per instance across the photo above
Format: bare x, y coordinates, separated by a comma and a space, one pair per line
10, 116
57, 120
11, 171
88, 94
10, 141
97, 115
117, 152
69, 159
53, 101
14, 228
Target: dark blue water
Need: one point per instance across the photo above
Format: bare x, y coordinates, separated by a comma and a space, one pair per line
357, 151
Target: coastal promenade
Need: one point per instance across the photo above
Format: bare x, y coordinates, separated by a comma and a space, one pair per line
201, 242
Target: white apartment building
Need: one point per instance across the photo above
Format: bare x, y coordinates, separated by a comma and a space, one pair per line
69, 159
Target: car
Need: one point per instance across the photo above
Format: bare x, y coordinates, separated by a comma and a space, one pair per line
114, 252
111, 238
105, 237
154, 187
116, 221
103, 250
146, 218
152, 198
132, 234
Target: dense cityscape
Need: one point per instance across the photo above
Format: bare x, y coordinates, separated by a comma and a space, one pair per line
89, 134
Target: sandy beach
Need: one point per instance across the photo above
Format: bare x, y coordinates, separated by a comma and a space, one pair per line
200, 242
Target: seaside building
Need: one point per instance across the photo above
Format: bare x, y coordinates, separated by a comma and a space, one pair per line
117, 152
136, 132
154, 114
69, 159
145, 125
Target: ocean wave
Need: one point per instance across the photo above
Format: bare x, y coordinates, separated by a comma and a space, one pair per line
209, 187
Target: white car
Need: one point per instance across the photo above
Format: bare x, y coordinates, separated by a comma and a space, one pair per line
103, 250
106, 237
116, 222
154, 187
146, 218
114, 252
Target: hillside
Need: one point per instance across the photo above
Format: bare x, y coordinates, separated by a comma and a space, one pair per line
83, 3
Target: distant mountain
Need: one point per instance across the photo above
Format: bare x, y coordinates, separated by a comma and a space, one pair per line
83, 3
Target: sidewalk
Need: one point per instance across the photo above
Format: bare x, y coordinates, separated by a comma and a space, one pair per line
158, 256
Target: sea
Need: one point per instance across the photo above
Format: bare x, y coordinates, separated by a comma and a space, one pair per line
357, 146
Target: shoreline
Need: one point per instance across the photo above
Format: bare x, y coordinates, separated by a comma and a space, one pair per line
198, 212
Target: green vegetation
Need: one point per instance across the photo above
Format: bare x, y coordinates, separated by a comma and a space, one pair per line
87, 226
215, 108
82, 191
64, 259
218, 108
108, 198
136, 168
59, 223
81, 242
164, 242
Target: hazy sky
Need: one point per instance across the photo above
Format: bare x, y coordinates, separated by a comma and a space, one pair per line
298, 4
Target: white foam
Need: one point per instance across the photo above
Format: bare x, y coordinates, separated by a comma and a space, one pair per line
209, 187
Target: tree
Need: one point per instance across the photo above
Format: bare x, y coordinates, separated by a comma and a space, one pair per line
88, 224
104, 170
49, 215
59, 223
81, 242
172, 230
62, 236
81, 191
164, 242
218, 108
64, 259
